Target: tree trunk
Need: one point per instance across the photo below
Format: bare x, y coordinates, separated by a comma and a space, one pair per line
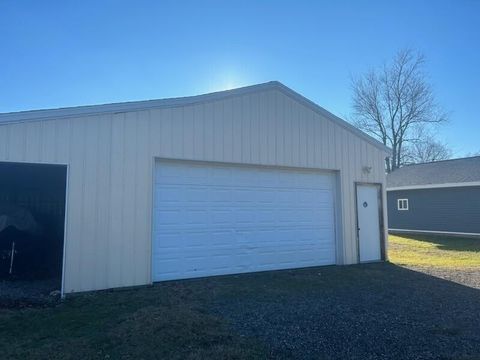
387, 164
394, 157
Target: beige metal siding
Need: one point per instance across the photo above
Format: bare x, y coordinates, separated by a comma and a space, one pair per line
110, 158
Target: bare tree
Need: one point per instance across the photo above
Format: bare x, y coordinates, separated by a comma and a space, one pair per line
423, 147
394, 102
470, 154
427, 150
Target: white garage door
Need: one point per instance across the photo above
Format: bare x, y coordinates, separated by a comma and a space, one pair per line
223, 219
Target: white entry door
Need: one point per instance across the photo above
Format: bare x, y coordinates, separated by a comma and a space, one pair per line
368, 213
213, 219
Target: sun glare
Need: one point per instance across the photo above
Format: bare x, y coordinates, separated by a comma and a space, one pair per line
227, 81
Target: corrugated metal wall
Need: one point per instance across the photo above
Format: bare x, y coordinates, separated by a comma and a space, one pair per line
110, 160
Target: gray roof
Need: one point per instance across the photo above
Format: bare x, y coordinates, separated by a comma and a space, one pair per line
454, 171
38, 115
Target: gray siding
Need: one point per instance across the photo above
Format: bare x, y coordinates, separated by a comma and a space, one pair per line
443, 209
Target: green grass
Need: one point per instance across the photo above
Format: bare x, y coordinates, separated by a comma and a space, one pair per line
145, 323
435, 251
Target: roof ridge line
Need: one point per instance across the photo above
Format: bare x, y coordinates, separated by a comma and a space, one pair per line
169, 101
439, 161
90, 110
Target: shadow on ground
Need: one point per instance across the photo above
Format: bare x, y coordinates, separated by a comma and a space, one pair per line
448, 242
374, 311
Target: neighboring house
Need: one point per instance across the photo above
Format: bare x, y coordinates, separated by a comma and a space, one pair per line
437, 197
251, 179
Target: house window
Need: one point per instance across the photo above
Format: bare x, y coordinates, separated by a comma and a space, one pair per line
402, 204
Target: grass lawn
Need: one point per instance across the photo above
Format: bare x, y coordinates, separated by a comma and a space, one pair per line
163, 321
435, 251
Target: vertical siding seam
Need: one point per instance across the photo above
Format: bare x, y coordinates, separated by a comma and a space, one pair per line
353, 171
299, 139
232, 129
149, 220
314, 132
123, 205
3, 140
307, 136
135, 192
8, 142
182, 122
214, 131
288, 133
222, 111
109, 198
194, 131
41, 141
284, 132
82, 213
332, 144
203, 122
274, 122
259, 129
171, 144
24, 140
272, 129
67, 285
242, 126
250, 150
96, 205
55, 143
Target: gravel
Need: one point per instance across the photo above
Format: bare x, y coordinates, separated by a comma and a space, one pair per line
375, 311
468, 277
22, 293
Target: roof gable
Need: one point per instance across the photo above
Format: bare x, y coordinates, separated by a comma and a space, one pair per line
38, 115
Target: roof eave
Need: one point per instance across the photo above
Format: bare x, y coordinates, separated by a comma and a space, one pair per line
320, 110
433, 186
90, 110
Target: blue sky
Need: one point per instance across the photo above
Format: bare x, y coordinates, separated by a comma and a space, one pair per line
66, 53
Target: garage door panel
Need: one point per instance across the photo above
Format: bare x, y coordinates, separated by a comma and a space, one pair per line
222, 219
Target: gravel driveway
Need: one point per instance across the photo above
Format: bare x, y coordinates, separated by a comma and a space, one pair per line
375, 311
468, 277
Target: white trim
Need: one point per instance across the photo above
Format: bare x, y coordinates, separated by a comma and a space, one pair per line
434, 232
335, 217
65, 224
382, 228
152, 209
68, 112
400, 203
24, 162
84, 110
245, 164
338, 218
434, 186
67, 177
